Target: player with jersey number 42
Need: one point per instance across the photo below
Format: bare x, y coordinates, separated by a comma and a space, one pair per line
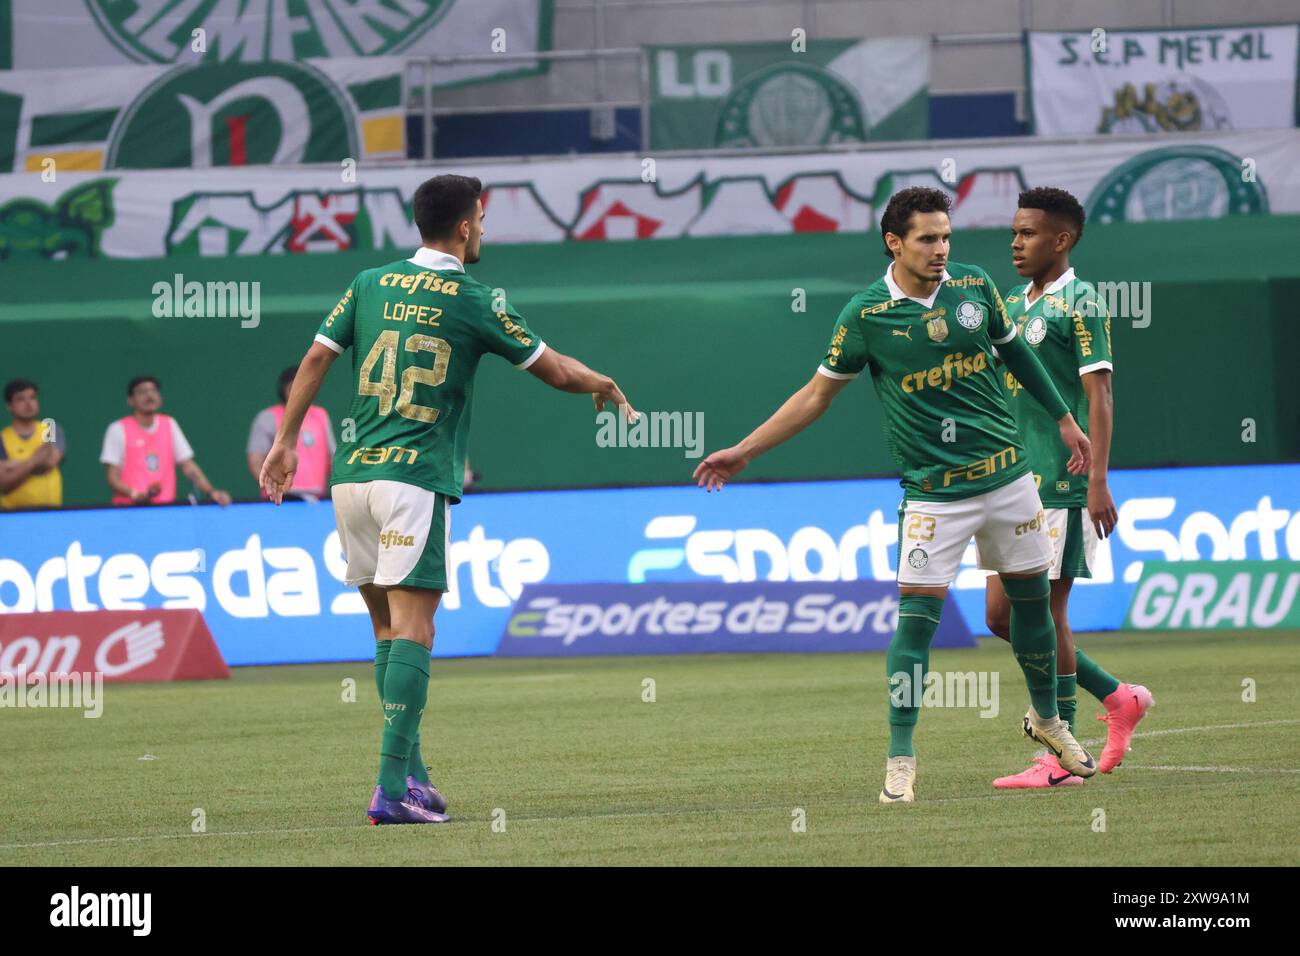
418, 329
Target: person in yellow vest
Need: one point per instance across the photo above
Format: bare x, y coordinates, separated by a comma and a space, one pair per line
30, 453
143, 450
315, 444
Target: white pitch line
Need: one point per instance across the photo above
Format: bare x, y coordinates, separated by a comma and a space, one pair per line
1194, 730
1220, 769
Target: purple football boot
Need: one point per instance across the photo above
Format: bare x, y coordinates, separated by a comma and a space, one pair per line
383, 810
426, 795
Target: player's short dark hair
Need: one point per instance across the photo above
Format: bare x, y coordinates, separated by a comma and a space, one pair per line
140, 380
285, 381
1058, 204
19, 385
442, 202
898, 213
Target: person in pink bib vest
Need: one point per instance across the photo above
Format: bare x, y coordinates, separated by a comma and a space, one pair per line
315, 444
142, 451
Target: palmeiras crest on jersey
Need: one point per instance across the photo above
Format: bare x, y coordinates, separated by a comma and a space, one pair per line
970, 315
917, 558
1035, 330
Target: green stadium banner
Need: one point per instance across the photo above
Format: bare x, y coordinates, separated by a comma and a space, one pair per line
203, 115
1151, 81
104, 33
812, 93
1216, 595
268, 210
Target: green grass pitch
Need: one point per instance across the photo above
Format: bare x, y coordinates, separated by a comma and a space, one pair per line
581, 770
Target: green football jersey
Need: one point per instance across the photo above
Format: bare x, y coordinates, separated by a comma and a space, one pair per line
1068, 328
946, 418
417, 329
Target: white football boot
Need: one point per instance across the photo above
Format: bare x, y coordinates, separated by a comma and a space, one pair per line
1054, 734
900, 780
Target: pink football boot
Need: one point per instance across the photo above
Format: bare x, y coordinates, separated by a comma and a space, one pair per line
1046, 772
1124, 709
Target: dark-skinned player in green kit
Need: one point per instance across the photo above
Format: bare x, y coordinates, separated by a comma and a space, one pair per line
1066, 323
418, 328
926, 331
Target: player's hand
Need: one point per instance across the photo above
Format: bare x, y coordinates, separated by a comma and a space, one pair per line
154, 491
719, 468
278, 471
138, 496
1101, 508
612, 394
220, 497
1080, 448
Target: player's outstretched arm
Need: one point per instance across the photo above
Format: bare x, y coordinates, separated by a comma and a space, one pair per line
566, 373
799, 411
282, 460
1024, 365
1101, 415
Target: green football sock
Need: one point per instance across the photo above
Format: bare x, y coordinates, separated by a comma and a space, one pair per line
1092, 678
382, 650
1033, 639
415, 762
909, 649
1066, 698
406, 689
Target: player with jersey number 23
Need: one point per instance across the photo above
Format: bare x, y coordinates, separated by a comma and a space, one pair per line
417, 329
926, 331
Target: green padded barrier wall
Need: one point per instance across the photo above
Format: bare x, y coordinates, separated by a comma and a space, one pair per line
684, 325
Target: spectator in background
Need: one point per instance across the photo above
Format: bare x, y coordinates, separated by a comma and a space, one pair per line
142, 450
315, 444
30, 452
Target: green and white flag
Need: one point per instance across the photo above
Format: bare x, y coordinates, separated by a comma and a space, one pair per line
1152, 81
202, 115
274, 210
51, 34
768, 94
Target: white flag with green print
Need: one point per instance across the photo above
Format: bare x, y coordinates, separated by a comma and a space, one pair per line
48, 34
202, 115
778, 94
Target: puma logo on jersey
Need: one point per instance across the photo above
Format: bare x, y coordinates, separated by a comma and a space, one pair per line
905, 333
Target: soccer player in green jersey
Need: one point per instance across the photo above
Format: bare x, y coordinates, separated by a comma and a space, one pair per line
1067, 325
418, 328
926, 330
